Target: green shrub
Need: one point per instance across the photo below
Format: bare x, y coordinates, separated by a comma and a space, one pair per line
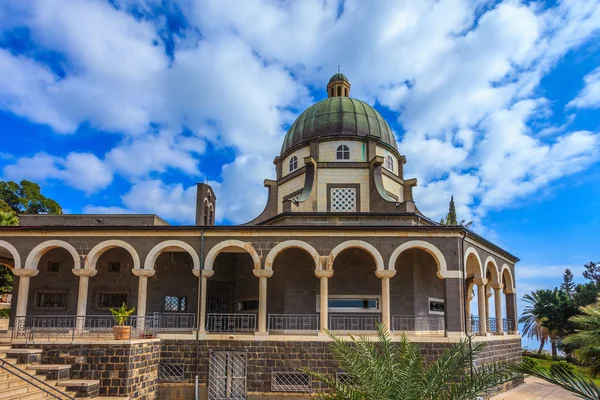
562, 366
530, 362
4, 312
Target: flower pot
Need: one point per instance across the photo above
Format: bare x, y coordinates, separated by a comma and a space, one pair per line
122, 332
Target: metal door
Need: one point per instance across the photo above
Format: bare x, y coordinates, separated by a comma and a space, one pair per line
227, 375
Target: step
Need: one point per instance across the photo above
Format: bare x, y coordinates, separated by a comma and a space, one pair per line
81, 387
14, 391
11, 382
25, 356
55, 372
28, 396
112, 398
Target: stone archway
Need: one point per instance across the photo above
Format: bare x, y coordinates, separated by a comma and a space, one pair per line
38, 251
97, 251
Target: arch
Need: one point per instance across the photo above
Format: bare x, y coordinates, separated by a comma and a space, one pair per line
216, 250
13, 252
490, 264
97, 251
38, 251
292, 244
509, 286
159, 248
437, 255
471, 254
356, 244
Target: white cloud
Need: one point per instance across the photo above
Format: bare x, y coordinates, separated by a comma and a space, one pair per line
589, 97
529, 272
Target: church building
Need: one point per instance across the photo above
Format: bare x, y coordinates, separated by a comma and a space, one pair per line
340, 247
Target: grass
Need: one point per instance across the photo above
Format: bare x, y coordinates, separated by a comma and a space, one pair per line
582, 370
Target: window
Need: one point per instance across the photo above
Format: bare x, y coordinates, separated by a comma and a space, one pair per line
205, 212
389, 163
339, 91
343, 199
290, 382
50, 300
436, 306
293, 164
343, 152
346, 92
175, 304
248, 305
352, 303
211, 220
111, 300
53, 266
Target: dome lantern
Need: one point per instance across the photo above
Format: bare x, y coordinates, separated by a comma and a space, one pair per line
338, 86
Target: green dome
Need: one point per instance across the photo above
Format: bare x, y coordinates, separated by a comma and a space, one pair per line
339, 77
338, 116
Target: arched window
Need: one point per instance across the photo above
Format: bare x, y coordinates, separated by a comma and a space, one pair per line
339, 91
346, 92
293, 164
343, 152
389, 163
211, 216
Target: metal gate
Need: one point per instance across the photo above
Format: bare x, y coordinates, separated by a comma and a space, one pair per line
227, 375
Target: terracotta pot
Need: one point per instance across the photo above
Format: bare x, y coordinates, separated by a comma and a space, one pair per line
122, 332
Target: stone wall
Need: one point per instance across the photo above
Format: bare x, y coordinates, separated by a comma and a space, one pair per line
129, 369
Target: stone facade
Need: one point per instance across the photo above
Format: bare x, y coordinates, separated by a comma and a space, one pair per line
129, 369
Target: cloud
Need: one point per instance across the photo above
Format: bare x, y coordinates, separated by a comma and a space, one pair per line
589, 97
529, 272
83, 171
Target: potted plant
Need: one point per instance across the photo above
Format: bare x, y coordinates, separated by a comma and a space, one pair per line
121, 331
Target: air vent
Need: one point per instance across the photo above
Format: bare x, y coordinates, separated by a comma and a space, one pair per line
114, 267
53, 266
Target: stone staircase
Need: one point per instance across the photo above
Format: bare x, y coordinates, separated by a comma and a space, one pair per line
17, 382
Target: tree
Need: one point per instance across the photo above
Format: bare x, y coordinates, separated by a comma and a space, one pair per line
6, 280
573, 381
592, 272
587, 337
386, 370
568, 286
532, 323
26, 197
451, 218
585, 294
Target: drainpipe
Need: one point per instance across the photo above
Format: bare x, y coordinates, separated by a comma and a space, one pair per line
464, 298
197, 366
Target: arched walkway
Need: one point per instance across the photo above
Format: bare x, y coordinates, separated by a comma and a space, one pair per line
38, 251
292, 244
13, 252
356, 244
162, 246
238, 244
94, 254
473, 264
429, 248
492, 267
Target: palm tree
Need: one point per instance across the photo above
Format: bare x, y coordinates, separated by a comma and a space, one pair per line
573, 381
533, 324
386, 370
588, 336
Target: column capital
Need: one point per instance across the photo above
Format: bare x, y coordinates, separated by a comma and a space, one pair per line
480, 281
204, 273
146, 273
323, 273
84, 272
263, 273
29, 272
385, 273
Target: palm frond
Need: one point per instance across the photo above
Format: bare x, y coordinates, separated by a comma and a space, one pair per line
572, 381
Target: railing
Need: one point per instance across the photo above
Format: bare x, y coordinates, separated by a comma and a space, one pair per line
166, 322
70, 327
293, 322
507, 325
346, 322
32, 380
231, 323
473, 326
423, 325
492, 325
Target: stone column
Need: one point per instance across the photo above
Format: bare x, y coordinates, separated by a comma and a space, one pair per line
324, 276
488, 294
143, 275
24, 275
511, 310
84, 275
481, 300
385, 276
498, 305
454, 313
262, 275
469, 299
203, 275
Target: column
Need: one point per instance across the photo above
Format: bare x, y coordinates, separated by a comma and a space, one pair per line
454, 313
203, 275
84, 275
262, 275
324, 276
511, 310
468, 302
498, 305
143, 275
488, 294
24, 275
385, 276
481, 300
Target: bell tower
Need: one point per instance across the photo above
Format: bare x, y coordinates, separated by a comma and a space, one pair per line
206, 202
338, 86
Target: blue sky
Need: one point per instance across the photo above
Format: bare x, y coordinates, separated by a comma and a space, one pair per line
122, 106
